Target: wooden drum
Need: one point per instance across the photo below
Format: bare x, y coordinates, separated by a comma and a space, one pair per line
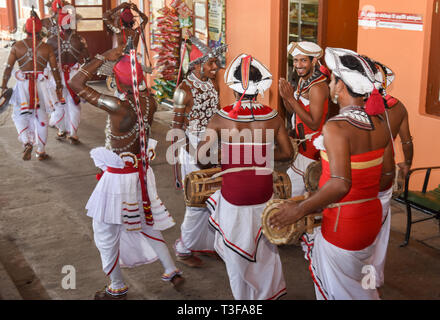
290, 234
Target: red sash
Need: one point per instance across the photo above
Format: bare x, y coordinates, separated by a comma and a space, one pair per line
66, 71
33, 96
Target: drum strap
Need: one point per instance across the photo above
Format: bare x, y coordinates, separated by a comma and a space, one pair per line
340, 204
232, 170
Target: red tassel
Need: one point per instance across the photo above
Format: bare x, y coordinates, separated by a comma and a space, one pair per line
99, 175
234, 112
375, 105
325, 71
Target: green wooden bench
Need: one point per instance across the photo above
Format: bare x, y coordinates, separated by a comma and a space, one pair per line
425, 201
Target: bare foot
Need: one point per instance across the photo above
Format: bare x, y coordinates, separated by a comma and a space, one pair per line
104, 295
177, 281
73, 140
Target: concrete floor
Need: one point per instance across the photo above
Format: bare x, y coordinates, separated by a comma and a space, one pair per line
43, 228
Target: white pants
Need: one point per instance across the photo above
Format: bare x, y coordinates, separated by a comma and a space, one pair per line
66, 117
31, 127
196, 234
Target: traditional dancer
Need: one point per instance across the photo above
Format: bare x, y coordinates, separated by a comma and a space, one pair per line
309, 104
72, 49
127, 213
356, 151
196, 100
30, 99
399, 125
120, 21
50, 24
252, 262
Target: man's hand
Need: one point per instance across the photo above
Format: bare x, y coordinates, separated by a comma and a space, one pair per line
286, 90
405, 168
288, 214
134, 7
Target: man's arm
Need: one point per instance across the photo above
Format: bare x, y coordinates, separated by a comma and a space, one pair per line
78, 84
144, 18
317, 96
407, 144
208, 143
9, 65
284, 149
56, 73
85, 54
338, 151
109, 17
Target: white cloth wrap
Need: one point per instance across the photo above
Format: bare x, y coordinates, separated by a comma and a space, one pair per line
31, 128
253, 264
306, 48
338, 273
357, 82
66, 117
196, 234
381, 242
106, 203
254, 87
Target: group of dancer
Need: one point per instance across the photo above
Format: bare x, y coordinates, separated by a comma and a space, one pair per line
355, 147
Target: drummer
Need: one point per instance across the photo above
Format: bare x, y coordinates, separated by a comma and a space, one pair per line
252, 263
308, 104
356, 151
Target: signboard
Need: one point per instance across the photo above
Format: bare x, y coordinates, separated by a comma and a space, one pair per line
402, 21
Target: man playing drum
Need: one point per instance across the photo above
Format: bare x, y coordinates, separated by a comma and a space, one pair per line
30, 98
308, 103
356, 151
128, 215
247, 132
196, 100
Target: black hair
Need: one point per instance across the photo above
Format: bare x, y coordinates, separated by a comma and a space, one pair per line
353, 63
254, 75
129, 24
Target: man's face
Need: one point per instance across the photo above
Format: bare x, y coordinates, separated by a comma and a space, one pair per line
210, 69
302, 64
332, 87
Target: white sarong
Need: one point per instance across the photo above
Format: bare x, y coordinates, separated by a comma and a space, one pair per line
340, 274
252, 262
381, 242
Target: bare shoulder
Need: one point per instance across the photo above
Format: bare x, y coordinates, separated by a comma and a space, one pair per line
320, 88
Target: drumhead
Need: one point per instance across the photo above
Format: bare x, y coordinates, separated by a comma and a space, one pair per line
312, 176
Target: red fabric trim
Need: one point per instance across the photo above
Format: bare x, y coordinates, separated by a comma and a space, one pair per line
276, 295
116, 262
309, 246
23, 130
229, 242
148, 236
66, 72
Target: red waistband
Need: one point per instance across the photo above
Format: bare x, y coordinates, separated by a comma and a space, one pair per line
31, 75
126, 170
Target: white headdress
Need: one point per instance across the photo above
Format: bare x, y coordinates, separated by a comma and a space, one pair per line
367, 82
306, 48
358, 82
245, 84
